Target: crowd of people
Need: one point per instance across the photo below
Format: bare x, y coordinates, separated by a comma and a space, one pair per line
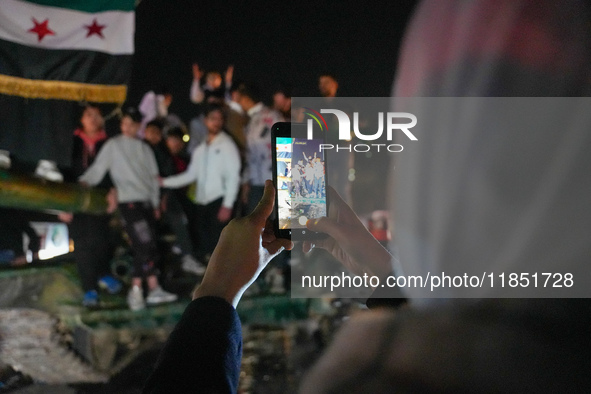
308, 179
188, 181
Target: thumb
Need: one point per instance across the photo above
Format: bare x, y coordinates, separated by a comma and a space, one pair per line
278, 245
263, 210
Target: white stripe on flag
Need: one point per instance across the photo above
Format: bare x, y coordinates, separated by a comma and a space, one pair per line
71, 28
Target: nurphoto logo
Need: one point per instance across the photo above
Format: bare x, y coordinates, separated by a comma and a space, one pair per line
392, 124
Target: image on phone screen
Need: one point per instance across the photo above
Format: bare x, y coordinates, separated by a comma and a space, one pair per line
301, 181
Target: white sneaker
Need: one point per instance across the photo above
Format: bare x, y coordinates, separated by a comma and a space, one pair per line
192, 266
48, 169
159, 296
135, 299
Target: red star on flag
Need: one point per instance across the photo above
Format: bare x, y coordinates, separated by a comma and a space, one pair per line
95, 28
41, 29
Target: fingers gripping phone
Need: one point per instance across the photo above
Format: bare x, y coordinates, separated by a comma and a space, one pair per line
299, 176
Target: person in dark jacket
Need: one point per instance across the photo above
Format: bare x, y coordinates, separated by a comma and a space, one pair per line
93, 248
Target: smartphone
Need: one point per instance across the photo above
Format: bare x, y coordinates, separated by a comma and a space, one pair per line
299, 176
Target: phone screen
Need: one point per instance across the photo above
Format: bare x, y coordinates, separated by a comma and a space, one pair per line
301, 181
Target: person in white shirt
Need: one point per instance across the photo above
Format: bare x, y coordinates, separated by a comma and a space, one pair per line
258, 163
215, 169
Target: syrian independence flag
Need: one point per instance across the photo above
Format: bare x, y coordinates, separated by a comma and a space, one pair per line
53, 55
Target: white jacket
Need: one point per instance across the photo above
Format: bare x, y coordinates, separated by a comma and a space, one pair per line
215, 167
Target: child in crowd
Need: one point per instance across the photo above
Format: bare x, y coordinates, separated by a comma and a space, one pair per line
154, 137
133, 169
176, 205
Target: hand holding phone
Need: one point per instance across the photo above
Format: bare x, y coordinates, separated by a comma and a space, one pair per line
299, 175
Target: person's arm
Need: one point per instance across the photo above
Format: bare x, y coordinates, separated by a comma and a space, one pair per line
148, 105
96, 172
231, 175
196, 94
150, 160
228, 80
245, 247
203, 352
231, 181
184, 178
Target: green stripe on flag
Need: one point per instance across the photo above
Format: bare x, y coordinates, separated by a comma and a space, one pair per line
88, 5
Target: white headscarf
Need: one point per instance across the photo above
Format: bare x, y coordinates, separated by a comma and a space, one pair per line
471, 198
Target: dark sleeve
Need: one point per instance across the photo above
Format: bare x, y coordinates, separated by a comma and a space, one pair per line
76, 168
34, 239
168, 163
203, 352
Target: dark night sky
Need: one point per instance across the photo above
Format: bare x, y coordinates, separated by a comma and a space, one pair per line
269, 43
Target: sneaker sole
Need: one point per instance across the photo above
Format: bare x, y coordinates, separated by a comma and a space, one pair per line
166, 301
192, 270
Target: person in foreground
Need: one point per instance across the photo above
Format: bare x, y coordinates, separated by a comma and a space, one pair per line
203, 352
484, 346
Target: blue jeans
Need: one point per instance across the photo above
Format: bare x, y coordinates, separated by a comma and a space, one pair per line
7, 255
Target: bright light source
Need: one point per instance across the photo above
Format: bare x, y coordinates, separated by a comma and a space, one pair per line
54, 239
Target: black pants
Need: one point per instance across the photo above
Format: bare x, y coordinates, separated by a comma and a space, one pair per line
176, 219
92, 247
207, 227
139, 222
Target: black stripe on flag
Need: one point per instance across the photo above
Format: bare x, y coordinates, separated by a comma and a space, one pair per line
64, 65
